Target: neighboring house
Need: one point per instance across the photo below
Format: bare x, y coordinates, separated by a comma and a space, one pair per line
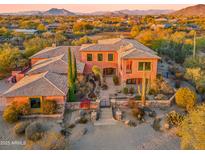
47, 77
26, 31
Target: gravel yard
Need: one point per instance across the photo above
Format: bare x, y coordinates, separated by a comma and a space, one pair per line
121, 137
8, 141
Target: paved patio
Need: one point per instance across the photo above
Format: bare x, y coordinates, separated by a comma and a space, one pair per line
104, 94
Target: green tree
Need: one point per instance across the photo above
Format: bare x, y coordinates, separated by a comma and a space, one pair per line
74, 68
4, 32
135, 31
36, 44
10, 59
185, 98
192, 130
71, 94
41, 27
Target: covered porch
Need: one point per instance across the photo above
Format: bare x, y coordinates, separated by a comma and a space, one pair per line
109, 71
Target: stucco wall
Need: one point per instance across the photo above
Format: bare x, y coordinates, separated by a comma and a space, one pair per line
23, 99
135, 72
102, 64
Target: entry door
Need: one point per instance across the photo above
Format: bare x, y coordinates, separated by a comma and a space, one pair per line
109, 71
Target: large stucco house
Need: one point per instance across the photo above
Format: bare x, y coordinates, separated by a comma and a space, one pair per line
47, 77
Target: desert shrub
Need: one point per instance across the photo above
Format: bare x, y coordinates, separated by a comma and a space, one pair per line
24, 109
179, 75
174, 118
132, 103
200, 88
125, 90
71, 126
115, 80
51, 141
177, 84
34, 131
138, 97
83, 120
138, 113
152, 92
192, 130
131, 90
49, 107
104, 86
20, 127
10, 114
185, 98
159, 77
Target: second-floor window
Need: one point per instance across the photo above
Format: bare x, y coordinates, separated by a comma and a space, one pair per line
100, 57
89, 57
128, 66
110, 57
147, 66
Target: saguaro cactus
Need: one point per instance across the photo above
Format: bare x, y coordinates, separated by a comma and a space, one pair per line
194, 46
145, 87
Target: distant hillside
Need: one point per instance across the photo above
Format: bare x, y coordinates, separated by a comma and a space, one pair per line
51, 12
196, 10
64, 12
55, 11
131, 12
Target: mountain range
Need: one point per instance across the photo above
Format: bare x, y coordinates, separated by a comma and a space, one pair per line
64, 12
196, 10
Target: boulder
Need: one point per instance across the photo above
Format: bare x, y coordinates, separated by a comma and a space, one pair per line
152, 114
156, 124
127, 122
164, 125
93, 115
118, 115
77, 119
82, 113
83, 131
130, 123
161, 97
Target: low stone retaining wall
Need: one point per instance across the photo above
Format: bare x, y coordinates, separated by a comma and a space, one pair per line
151, 103
76, 106
60, 116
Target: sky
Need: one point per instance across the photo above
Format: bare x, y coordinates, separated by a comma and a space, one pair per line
87, 8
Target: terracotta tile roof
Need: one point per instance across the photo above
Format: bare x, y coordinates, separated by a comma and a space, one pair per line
137, 50
56, 51
127, 48
57, 64
43, 84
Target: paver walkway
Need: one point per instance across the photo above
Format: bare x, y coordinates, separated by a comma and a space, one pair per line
106, 117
